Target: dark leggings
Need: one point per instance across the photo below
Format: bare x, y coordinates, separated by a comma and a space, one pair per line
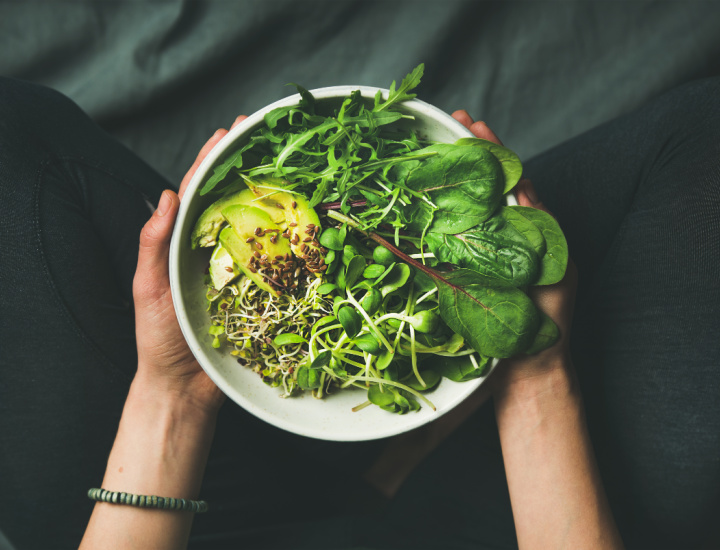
639, 200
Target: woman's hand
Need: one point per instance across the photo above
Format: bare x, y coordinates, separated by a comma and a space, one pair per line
165, 362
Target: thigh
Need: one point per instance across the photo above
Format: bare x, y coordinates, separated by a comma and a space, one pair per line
639, 200
73, 202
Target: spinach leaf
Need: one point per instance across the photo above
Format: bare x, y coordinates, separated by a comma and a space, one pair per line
547, 335
464, 183
554, 260
511, 165
496, 321
513, 216
489, 252
458, 369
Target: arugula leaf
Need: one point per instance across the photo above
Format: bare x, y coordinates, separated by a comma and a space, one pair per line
409, 83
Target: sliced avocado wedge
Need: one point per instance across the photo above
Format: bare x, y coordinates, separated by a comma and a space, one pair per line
257, 246
210, 222
299, 215
222, 268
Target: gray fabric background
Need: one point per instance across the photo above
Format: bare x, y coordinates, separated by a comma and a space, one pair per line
162, 76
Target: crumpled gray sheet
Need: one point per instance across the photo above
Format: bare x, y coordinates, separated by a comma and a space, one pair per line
162, 76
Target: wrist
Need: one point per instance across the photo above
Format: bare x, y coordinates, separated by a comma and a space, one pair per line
190, 394
536, 385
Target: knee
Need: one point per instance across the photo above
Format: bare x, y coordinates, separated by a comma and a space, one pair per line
22, 102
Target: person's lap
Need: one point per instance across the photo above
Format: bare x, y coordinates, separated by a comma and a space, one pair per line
639, 200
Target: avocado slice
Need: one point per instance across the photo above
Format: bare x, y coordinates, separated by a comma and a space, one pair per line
260, 256
210, 222
222, 267
299, 215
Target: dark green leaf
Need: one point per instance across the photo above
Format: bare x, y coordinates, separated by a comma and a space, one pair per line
288, 338
350, 321
373, 271
381, 396
368, 343
430, 377
496, 322
511, 165
464, 183
331, 238
492, 253
395, 279
554, 261
308, 379
321, 360
547, 335
326, 288
458, 369
355, 268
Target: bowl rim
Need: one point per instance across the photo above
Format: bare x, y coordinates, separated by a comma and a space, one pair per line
246, 127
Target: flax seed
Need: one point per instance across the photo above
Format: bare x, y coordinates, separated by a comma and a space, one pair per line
258, 230
229, 269
257, 254
294, 204
258, 245
249, 239
307, 239
292, 224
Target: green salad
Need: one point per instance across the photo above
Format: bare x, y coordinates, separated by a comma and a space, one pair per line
350, 252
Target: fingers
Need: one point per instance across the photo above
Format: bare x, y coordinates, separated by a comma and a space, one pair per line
479, 128
151, 278
238, 120
463, 117
209, 144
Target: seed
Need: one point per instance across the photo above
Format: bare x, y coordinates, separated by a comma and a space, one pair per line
310, 225
295, 239
323, 268
322, 261
297, 272
251, 268
280, 206
294, 204
229, 269
258, 246
249, 239
257, 254
258, 230
316, 244
307, 239
286, 235
278, 292
304, 248
278, 257
274, 262
264, 257
292, 224
273, 239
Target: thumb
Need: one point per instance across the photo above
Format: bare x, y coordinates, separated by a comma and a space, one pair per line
151, 277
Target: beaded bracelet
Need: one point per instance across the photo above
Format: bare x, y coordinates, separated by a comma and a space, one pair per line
148, 501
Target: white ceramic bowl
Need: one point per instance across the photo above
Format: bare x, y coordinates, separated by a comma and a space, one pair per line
330, 418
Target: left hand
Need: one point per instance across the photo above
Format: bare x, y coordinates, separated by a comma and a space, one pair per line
165, 361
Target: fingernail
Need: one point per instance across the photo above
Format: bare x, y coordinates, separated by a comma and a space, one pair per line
530, 192
164, 204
